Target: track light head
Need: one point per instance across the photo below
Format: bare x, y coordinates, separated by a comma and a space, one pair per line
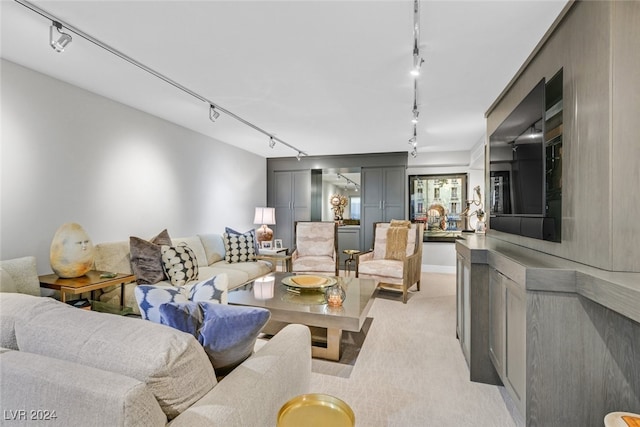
412, 140
414, 152
213, 114
416, 113
58, 44
298, 156
417, 64
272, 142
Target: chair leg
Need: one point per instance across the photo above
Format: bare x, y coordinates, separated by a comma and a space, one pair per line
418, 283
405, 293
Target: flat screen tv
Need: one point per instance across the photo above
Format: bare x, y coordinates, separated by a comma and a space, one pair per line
517, 170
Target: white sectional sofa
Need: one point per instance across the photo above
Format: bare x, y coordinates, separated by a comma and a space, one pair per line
209, 250
61, 365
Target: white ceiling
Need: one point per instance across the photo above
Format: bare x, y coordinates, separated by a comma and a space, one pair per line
328, 77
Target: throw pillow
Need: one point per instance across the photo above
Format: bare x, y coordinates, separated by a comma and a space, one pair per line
239, 247
179, 263
150, 298
213, 289
229, 333
183, 316
256, 244
146, 262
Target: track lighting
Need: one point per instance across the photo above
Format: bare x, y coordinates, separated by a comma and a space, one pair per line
414, 153
417, 64
213, 114
416, 113
272, 142
62, 41
58, 43
412, 140
298, 156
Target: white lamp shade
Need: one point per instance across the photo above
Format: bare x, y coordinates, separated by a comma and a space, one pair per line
265, 216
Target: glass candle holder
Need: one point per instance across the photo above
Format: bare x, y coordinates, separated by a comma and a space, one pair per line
335, 296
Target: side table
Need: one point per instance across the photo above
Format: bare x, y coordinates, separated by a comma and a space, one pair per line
90, 282
350, 260
278, 258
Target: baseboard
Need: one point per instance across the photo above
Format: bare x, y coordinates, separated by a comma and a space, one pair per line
443, 269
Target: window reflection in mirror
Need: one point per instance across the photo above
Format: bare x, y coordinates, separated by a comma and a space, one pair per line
345, 184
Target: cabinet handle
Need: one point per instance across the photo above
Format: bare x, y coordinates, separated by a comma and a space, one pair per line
380, 205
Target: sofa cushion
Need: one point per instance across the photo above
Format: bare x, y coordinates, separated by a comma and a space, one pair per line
23, 276
11, 307
113, 256
146, 261
239, 247
227, 333
195, 244
151, 297
317, 264
179, 263
80, 395
172, 364
213, 247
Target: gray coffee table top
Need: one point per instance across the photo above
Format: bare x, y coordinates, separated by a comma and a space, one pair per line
309, 307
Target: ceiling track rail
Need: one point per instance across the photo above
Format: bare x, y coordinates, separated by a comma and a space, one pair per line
153, 72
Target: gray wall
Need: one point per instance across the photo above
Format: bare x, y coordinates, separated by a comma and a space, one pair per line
69, 155
597, 45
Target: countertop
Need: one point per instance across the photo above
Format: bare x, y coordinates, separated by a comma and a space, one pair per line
538, 271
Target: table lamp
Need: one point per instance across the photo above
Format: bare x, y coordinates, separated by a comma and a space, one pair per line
265, 217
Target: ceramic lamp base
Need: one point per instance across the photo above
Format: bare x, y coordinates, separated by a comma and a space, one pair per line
264, 234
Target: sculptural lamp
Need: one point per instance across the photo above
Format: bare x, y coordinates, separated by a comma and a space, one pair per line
265, 217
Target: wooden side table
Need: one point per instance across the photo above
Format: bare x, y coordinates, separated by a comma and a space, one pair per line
278, 258
87, 283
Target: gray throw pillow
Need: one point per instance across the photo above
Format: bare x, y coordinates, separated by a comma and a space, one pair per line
146, 259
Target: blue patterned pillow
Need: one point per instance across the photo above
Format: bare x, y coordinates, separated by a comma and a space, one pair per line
151, 297
214, 289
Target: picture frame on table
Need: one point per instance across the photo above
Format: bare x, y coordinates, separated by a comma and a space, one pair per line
277, 244
266, 245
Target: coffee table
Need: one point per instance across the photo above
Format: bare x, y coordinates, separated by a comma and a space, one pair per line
310, 308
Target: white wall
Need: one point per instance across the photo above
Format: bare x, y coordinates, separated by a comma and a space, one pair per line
69, 155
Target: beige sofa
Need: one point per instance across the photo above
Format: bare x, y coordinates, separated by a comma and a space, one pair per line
60, 365
208, 249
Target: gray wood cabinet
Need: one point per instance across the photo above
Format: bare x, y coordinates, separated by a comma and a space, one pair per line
292, 202
507, 334
382, 198
562, 337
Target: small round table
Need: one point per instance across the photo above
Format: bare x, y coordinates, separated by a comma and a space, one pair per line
316, 409
350, 260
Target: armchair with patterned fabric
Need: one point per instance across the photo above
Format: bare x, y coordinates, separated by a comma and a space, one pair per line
396, 259
316, 248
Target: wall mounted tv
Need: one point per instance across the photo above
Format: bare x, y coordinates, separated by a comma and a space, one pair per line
517, 171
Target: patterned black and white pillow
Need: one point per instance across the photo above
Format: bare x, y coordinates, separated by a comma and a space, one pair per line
239, 247
179, 263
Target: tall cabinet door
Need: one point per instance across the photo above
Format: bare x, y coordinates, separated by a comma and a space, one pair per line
382, 199
292, 202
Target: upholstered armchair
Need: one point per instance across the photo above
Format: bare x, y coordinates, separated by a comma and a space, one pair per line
396, 259
316, 248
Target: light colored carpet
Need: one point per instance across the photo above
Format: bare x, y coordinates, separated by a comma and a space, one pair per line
409, 369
